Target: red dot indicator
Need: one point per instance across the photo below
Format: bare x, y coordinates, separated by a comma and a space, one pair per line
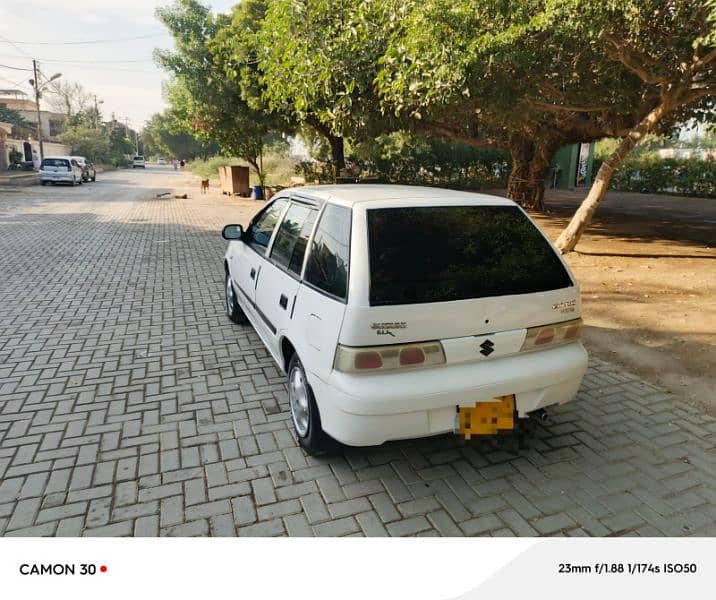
103, 569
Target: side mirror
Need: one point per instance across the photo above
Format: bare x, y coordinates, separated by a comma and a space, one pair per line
232, 232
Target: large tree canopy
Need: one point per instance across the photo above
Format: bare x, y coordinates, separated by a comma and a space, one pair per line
209, 102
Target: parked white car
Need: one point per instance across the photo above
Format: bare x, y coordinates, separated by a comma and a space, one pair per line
60, 169
139, 162
400, 312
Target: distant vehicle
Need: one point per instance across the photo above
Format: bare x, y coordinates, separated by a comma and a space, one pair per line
161, 161
60, 169
139, 161
89, 173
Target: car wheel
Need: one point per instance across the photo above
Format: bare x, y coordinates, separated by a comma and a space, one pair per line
233, 310
43, 183
94, 178
304, 412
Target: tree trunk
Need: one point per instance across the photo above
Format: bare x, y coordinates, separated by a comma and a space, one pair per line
583, 217
530, 161
259, 171
521, 152
337, 155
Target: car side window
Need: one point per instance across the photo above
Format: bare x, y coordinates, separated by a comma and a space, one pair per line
327, 267
262, 227
289, 247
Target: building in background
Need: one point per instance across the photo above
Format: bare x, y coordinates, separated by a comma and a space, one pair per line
53, 123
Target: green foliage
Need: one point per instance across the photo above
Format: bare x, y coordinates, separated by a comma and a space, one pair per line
20, 126
165, 134
12, 116
202, 97
87, 141
278, 168
418, 160
411, 159
654, 175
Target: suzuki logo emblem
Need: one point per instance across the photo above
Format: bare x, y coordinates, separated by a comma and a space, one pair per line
487, 348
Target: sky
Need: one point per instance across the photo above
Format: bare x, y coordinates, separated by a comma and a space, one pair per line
118, 70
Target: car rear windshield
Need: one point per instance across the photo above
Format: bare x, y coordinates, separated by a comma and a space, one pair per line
55, 162
445, 253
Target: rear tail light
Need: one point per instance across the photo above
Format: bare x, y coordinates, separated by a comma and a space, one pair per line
388, 358
552, 335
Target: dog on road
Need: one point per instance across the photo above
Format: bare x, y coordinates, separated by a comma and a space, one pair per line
204, 186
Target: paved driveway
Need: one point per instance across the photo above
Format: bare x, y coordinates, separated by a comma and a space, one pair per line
129, 405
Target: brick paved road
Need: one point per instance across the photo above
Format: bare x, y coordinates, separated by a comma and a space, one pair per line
129, 405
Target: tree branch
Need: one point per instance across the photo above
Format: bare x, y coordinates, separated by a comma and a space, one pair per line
564, 108
633, 62
447, 132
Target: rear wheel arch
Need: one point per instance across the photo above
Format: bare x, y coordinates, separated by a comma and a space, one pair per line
287, 351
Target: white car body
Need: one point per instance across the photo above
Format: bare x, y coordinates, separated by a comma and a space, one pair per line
371, 407
139, 162
60, 169
161, 161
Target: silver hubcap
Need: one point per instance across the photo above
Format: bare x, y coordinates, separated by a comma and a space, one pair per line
298, 399
229, 296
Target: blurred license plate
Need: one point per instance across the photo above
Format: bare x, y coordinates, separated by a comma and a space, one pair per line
487, 418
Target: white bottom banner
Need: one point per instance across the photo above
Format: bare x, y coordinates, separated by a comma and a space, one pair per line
299, 569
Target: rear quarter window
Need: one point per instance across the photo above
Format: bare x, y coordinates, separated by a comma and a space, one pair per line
327, 267
447, 253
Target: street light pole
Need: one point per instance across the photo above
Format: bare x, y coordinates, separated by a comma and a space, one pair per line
96, 111
37, 107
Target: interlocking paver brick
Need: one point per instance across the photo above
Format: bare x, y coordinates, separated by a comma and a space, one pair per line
136, 408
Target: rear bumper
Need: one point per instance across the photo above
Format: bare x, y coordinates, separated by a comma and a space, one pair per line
363, 410
60, 177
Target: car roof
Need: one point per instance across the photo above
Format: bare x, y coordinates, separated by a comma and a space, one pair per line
55, 157
352, 194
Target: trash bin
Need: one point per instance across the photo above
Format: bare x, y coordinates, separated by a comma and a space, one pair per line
257, 193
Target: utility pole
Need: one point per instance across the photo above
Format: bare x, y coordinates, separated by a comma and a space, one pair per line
37, 107
35, 83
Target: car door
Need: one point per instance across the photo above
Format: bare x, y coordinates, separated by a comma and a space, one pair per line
248, 256
280, 275
323, 293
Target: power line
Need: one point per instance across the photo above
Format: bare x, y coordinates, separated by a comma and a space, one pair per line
14, 68
67, 60
3, 38
108, 41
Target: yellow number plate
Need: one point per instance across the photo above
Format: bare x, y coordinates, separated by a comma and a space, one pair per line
487, 418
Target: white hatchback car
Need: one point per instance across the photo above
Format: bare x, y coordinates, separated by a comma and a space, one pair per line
400, 312
60, 169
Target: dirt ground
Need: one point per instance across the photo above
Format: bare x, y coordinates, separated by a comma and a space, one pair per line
647, 270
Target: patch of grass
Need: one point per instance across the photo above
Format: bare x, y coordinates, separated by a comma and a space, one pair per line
279, 168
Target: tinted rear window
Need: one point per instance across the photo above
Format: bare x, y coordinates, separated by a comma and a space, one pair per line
445, 253
55, 162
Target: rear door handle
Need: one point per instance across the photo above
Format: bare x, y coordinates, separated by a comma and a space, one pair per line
283, 301
253, 273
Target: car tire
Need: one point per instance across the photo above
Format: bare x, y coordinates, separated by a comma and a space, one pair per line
233, 310
304, 412
94, 178
43, 183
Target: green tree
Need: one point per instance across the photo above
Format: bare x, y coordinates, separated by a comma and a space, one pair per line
318, 60
671, 48
88, 141
203, 98
20, 126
